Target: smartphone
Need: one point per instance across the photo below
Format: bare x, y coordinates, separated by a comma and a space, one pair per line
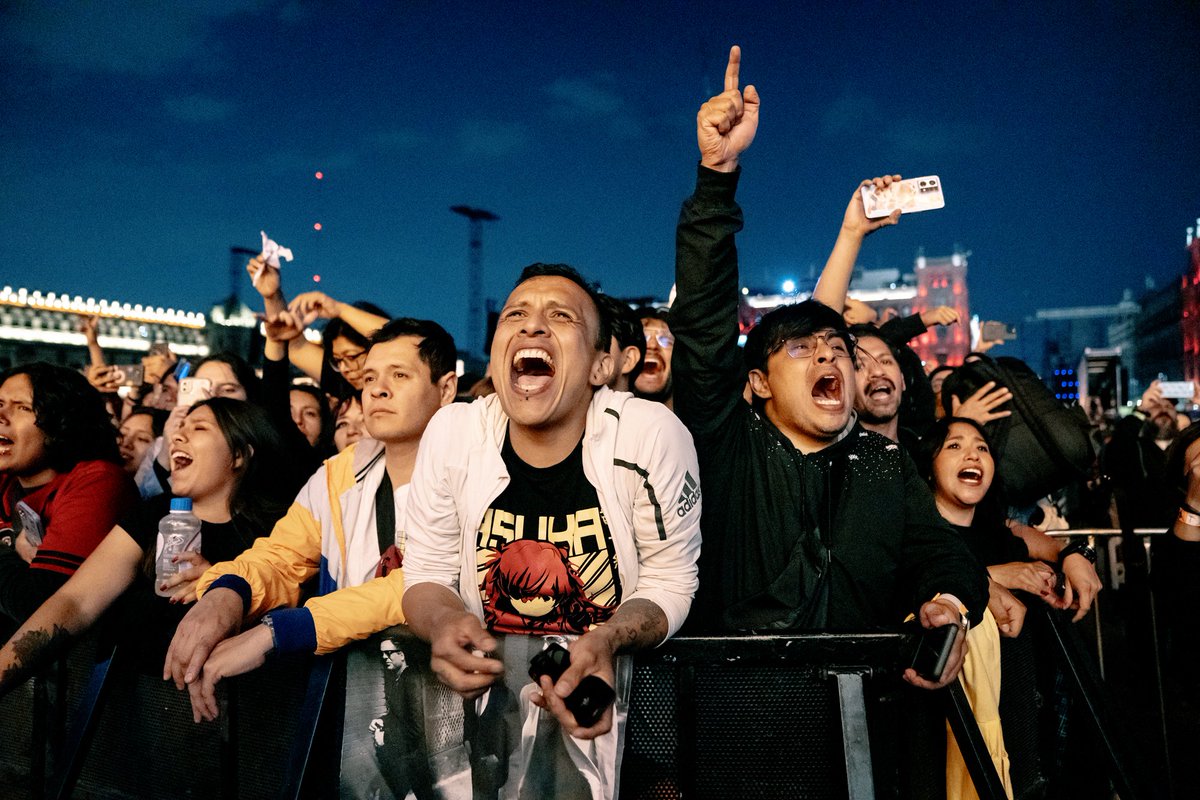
933, 651
193, 390
910, 196
997, 332
1178, 390
129, 374
590, 698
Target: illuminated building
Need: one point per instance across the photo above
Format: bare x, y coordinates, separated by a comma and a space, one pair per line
1190, 300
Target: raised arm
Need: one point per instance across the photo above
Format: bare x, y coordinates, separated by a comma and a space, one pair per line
839, 268
704, 318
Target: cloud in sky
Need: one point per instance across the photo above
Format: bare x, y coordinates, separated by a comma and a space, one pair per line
584, 97
857, 114
198, 108
128, 38
491, 138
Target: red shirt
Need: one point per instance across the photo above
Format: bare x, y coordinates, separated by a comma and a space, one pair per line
77, 509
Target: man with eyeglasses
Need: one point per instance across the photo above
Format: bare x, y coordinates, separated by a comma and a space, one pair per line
655, 382
811, 522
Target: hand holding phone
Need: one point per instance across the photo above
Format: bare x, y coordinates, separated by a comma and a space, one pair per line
910, 196
193, 390
1178, 390
933, 651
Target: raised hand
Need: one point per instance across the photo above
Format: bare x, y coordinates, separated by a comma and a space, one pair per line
285, 326
263, 276
318, 303
856, 221
942, 315
982, 406
726, 124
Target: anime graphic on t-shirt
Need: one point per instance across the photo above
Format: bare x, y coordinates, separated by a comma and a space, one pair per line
530, 586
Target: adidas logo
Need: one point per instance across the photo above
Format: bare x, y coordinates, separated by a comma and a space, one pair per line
690, 496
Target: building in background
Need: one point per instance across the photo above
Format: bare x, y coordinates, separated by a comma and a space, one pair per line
1189, 292
37, 326
892, 293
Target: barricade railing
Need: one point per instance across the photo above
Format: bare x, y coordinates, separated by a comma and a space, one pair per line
707, 714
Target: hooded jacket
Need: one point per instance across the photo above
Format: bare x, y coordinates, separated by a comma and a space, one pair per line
636, 454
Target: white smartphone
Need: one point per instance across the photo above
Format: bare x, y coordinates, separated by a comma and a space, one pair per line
910, 196
1177, 390
193, 390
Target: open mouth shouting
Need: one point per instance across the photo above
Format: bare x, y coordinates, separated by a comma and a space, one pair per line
880, 389
180, 461
827, 392
532, 370
6, 445
651, 365
972, 476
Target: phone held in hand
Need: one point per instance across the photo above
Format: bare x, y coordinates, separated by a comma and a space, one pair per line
997, 332
910, 196
128, 374
193, 390
590, 698
1178, 390
933, 650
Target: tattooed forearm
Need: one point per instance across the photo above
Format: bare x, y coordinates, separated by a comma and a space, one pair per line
637, 625
29, 652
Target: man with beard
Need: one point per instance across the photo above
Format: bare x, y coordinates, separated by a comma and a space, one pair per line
655, 381
879, 386
813, 523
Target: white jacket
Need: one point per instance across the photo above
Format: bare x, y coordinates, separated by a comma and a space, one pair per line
637, 455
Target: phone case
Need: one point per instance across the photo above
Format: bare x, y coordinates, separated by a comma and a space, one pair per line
1177, 390
910, 196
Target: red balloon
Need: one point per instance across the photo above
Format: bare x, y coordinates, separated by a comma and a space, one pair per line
316, 278
316, 226
320, 175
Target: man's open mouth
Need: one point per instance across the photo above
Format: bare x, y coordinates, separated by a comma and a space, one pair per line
5, 445
180, 460
880, 389
971, 476
827, 391
532, 370
651, 366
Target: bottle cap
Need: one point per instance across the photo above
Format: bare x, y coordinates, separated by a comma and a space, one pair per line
181, 504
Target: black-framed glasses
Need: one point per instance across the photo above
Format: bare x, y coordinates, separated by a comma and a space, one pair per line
841, 344
350, 361
665, 340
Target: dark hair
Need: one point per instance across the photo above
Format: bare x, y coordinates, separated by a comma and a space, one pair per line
789, 322
436, 349
650, 312
158, 417
257, 492
539, 270
626, 327
71, 414
1176, 470
325, 439
339, 327
943, 368
241, 370
866, 330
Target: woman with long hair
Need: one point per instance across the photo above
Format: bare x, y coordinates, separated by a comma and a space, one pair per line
62, 487
223, 458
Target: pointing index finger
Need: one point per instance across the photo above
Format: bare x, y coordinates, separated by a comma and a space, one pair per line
731, 70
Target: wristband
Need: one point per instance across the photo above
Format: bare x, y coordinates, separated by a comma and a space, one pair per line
1078, 548
1188, 518
270, 625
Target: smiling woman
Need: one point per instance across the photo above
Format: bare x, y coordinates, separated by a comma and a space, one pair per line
224, 457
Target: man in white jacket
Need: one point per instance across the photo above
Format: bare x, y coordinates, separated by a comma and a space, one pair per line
554, 507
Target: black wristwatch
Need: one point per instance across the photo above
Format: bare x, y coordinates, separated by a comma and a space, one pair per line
1080, 548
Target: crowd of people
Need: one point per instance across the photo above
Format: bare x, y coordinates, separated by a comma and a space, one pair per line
619, 475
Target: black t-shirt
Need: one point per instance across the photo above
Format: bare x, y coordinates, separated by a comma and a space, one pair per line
143, 623
545, 557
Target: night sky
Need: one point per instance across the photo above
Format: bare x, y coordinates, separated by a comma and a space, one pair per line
139, 141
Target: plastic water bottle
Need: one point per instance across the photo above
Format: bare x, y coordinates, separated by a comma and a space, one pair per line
178, 531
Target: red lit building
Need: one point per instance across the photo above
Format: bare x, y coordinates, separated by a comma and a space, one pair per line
943, 282
1189, 297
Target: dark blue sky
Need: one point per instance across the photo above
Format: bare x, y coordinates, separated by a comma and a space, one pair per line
139, 141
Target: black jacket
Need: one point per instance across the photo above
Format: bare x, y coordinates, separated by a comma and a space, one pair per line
845, 538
